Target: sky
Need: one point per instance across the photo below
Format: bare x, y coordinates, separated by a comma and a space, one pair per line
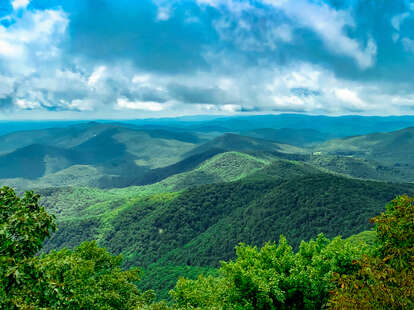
101, 59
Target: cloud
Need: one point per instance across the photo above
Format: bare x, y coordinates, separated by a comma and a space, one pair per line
195, 94
350, 97
26, 104
124, 103
330, 25
408, 44
397, 20
170, 57
20, 4
96, 75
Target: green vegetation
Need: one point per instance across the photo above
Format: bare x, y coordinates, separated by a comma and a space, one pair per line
385, 279
85, 278
273, 277
322, 274
200, 225
389, 148
362, 168
192, 200
297, 137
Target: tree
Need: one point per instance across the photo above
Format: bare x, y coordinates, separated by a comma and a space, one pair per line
87, 277
384, 280
24, 224
273, 277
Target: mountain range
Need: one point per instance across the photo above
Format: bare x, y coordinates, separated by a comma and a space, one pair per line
175, 196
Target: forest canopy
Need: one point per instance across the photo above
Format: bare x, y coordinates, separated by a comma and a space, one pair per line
324, 273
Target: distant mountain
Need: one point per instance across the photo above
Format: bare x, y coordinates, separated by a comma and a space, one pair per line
234, 142
7, 126
120, 153
34, 161
297, 137
74, 135
393, 148
363, 168
337, 126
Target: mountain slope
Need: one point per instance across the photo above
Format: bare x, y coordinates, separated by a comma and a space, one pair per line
234, 142
362, 168
120, 154
394, 147
202, 224
34, 161
224, 167
297, 137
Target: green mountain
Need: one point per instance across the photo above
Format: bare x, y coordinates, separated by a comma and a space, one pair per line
297, 137
362, 168
113, 155
393, 148
34, 161
175, 201
155, 226
234, 142
224, 167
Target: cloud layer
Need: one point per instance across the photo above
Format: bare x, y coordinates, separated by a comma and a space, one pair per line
124, 59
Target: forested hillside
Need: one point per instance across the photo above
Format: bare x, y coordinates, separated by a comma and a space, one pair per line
175, 202
321, 274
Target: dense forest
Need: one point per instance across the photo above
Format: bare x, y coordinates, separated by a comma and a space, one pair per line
321, 273
186, 204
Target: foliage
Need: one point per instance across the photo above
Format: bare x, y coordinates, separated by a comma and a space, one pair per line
273, 277
386, 279
200, 226
24, 224
162, 279
85, 278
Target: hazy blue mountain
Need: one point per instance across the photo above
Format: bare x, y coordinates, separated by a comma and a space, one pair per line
234, 142
298, 137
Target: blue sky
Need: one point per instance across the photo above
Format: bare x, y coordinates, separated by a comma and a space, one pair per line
151, 58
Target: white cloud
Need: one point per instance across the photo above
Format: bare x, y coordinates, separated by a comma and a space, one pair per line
330, 25
395, 37
264, 33
350, 97
81, 105
139, 105
96, 75
230, 108
234, 6
27, 104
141, 78
397, 20
34, 35
20, 4
408, 44
165, 9
164, 13
10, 50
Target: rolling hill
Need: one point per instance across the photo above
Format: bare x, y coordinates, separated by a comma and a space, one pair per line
176, 201
111, 154
297, 137
392, 148
181, 223
234, 142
